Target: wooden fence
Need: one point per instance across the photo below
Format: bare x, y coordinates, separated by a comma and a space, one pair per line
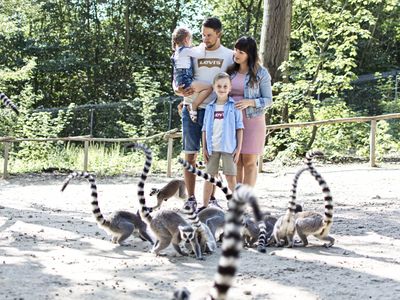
173, 134
271, 128
85, 139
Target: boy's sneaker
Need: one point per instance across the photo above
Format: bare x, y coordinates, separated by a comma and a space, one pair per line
192, 202
214, 202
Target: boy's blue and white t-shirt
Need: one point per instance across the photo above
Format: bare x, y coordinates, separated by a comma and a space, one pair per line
231, 119
218, 127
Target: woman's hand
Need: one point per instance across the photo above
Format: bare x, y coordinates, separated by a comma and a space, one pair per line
244, 103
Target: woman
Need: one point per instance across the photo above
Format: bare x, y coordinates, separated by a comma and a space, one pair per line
251, 89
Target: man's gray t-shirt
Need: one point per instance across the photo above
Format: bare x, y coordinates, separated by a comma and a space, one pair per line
206, 68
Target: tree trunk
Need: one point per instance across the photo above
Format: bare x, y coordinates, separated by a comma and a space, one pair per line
275, 35
258, 14
127, 28
177, 15
275, 42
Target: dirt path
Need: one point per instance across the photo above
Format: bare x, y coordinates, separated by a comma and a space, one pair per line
50, 246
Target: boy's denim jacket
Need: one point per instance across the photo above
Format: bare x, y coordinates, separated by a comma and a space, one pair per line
261, 92
233, 120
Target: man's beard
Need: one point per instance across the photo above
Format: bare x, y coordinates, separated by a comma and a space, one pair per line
211, 46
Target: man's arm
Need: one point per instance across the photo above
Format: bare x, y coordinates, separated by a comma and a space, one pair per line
180, 91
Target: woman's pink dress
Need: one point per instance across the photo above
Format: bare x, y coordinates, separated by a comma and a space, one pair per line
254, 128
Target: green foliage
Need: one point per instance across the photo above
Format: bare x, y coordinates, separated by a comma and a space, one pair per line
87, 50
238, 18
54, 53
338, 140
350, 140
103, 160
145, 107
323, 60
29, 124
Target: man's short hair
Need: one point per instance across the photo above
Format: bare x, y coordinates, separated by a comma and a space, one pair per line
213, 23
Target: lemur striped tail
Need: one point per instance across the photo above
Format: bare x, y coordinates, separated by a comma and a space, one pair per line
200, 164
95, 204
231, 244
144, 211
189, 209
262, 238
192, 216
228, 195
207, 177
8, 102
328, 217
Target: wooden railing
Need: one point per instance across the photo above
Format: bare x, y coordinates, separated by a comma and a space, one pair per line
270, 128
85, 139
173, 134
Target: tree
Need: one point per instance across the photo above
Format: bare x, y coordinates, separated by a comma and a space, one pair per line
275, 35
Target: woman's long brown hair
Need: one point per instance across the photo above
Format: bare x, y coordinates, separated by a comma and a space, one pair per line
248, 45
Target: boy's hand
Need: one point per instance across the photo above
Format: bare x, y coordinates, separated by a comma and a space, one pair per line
236, 155
205, 155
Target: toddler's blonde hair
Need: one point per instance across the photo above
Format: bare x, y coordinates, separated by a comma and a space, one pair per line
178, 36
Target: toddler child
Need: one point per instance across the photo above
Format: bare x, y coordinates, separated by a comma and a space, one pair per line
183, 69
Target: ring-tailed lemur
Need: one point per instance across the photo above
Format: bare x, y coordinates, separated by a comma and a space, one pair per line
120, 224
251, 230
228, 195
265, 239
285, 228
214, 218
167, 225
231, 244
8, 102
201, 165
193, 217
313, 223
207, 177
175, 188
204, 235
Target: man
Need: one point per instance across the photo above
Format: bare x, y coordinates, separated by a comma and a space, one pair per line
216, 59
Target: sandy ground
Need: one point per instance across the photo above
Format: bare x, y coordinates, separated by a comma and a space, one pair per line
50, 246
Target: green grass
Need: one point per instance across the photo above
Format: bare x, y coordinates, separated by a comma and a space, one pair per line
103, 160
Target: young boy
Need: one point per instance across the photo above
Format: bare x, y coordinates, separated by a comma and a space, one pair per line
222, 135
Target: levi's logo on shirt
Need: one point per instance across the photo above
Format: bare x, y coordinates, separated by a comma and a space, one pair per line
210, 62
218, 115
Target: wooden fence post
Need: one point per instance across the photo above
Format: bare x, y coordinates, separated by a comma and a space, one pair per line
170, 150
260, 163
372, 143
85, 156
6, 155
